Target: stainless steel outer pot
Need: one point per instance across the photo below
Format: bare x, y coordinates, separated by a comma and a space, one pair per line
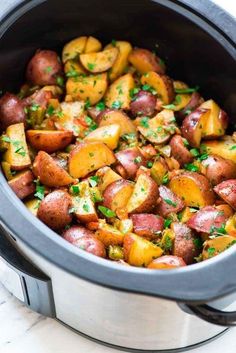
130, 308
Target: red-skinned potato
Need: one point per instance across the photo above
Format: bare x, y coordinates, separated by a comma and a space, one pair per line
219, 169
144, 196
167, 262
44, 68
227, 191
179, 151
40, 97
143, 103
207, 220
185, 243
49, 141
84, 239
23, 184
11, 111
193, 125
144, 60
49, 172
131, 159
54, 210
169, 202
216, 123
117, 194
147, 225
195, 101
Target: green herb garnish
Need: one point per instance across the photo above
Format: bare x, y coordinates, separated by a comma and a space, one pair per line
191, 167
144, 122
186, 90
93, 180
106, 211
170, 202
167, 222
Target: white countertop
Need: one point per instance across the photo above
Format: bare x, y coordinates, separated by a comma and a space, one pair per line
22, 330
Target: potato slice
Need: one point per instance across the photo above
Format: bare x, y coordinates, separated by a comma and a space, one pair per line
106, 176
108, 234
91, 88
109, 135
139, 251
224, 148
73, 68
118, 94
93, 45
159, 170
213, 247
145, 195
23, 184
49, 141
144, 61
193, 188
73, 48
33, 205
89, 156
117, 194
109, 117
121, 62
192, 126
216, 122
99, 62
84, 210
49, 172
17, 154
162, 84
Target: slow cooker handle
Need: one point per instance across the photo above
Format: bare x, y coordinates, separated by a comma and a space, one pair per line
212, 315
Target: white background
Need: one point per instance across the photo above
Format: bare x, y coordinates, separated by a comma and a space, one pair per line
21, 330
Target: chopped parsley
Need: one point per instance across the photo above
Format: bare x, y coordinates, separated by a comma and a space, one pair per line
165, 179
40, 190
194, 152
72, 210
17, 144
75, 189
34, 107
87, 104
211, 251
106, 211
144, 122
149, 164
170, 202
218, 230
72, 73
167, 244
185, 142
116, 105
86, 207
48, 69
113, 42
21, 151
191, 167
91, 66
167, 222
60, 81
100, 106
133, 92
232, 148
186, 90
198, 243
137, 160
50, 110
93, 180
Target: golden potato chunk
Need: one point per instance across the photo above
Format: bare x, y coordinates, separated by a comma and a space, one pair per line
162, 84
109, 135
118, 94
121, 62
99, 62
74, 48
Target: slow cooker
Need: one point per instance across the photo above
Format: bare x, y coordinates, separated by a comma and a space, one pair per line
128, 308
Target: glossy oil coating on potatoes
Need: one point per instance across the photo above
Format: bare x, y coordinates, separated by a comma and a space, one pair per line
11, 111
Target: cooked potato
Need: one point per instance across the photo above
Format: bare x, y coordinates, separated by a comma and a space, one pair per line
106, 176
84, 210
167, 262
195, 101
143, 103
17, 154
224, 148
226, 209
23, 184
74, 48
169, 203
11, 111
6, 168
117, 194
216, 122
109, 117
186, 214
73, 68
139, 251
230, 226
49, 141
125, 225
193, 124
118, 93
99, 62
144, 196
54, 210
208, 220
91, 88
213, 247
44, 68
159, 170
131, 159
158, 129
185, 243
89, 156
70, 117
84, 239
93, 45
227, 191
219, 169
144, 61
121, 62
108, 134
33, 205
147, 225
108, 234
49, 172
179, 151
162, 84
193, 188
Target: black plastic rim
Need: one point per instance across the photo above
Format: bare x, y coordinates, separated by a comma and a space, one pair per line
198, 283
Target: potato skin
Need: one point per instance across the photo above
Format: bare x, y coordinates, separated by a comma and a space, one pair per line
167, 262
227, 191
49, 141
54, 210
219, 169
44, 68
23, 184
147, 225
117, 194
143, 103
11, 111
131, 159
195, 101
144, 60
175, 203
40, 97
84, 239
191, 127
206, 219
179, 151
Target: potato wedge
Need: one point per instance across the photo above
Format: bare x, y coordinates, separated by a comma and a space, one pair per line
23, 184
121, 62
49, 172
146, 225
227, 191
73, 68
74, 48
179, 151
17, 154
33, 205
108, 134
117, 194
145, 195
224, 148
169, 203
193, 188
106, 176
49, 141
109, 117
192, 126
213, 247
159, 170
144, 61
139, 251
91, 88
84, 210
219, 169
166, 262
208, 220
89, 156
99, 62
131, 160
108, 234
194, 103
93, 45
162, 84
118, 93
216, 122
